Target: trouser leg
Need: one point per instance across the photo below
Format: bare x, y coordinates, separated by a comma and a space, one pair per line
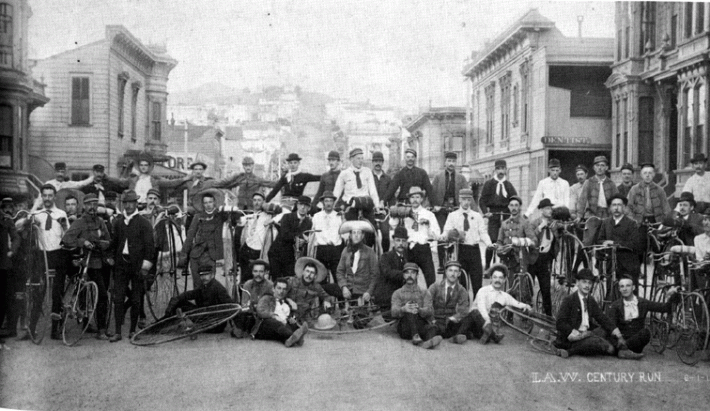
638, 341
246, 256
137, 294
329, 255
421, 255
470, 259
96, 275
56, 260
272, 329
596, 344
541, 270
472, 325
120, 285
385, 230
407, 326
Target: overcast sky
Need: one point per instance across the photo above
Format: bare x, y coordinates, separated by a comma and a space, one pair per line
400, 52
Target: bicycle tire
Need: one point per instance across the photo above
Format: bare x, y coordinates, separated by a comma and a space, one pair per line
675, 325
36, 309
79, 314
526, 296
694, 338
544, 346
659, 324
174, 328
163, 288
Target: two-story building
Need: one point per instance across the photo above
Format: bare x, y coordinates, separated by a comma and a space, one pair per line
435, 131
536, 94
659, 86
108, 100
20, 94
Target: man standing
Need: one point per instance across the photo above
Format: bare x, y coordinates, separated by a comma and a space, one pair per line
293, 182
494, 202
596, 192
329, 243
542, 227
413, 307
491, 297
627, 179
517, 227
150, 212
61, 181
134, 251
9, 244
471, 232
408, 177
253, 236
101, 184
552, 187
305, 290
699, 183
576, 189
689, 222
282, 254
622, 230
391, 266
328, 179
702, 241
445, 194
628, 314
248, 183
254, 289
647, 200
357, 181
357, 269
421, 227
90, 233
144, 181
577, 334
275, 319
71, 207
382, 182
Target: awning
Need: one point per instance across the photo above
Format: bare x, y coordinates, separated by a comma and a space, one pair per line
160, 170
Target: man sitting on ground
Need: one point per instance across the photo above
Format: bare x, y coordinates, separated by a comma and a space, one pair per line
493, 297
413, 307
305, 289
451, 305
275, 319
629, 314
253, 290
577, 334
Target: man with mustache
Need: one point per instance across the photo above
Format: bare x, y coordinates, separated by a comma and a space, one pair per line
699, 183
294, 181
329, 243
553, 187
491, 297
413, 307
391, 265
61, 180
517, 227
596, 191
357, 269
421, 226
328, 179
382, 182
445, 194
647, 200
253, 290
275, 318
249, 184
253, 236
627, 179
576, 189
408, 177
494, 199
305, 289
622, 230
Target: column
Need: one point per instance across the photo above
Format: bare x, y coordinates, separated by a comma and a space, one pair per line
706, 20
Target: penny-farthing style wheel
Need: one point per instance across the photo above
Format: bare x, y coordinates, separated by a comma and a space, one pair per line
38, 300
79, 311
165, 285
694, 338
187, 324
526, 296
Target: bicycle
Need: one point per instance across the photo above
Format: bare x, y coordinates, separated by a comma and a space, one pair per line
353, 316
79, 305
185, 324
661, 239
523, 285
606, 290
570, 254
543, 340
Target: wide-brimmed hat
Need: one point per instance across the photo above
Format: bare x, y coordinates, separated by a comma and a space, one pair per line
687, 196
197, 198
198, 163
293, 157
699, 158
128, 196
414, 190
545, 203
585, 274
60, 197
360, 225
321, 271
601, 159
327, 194
325, 322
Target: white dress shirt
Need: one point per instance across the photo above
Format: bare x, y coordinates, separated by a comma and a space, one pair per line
423, 232
584, 326
556, 190
50, 240
574, 192
143, 184
346, 184
282, 310
488, 295
631, 309
256, 231
699, 186
329, 224
477, 232
58, 185
702, 246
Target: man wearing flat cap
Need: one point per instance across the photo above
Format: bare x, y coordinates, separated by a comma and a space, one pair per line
627, 179
647, 200
552, 187
412, 305
294, 181
150, 212
391, 265
133, 250
468, 228
382, 182
624, 231
329, 243
358, 268
445, 194
593, 200
451, 305
408, 177
247, 182
102, 184
90, 233
305, 289
517, 229
61, 180
494, 202
328, 179
699, 183
282, 254
356, 181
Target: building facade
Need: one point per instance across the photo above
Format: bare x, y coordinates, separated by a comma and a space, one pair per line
659, 87
435, 131
108, 100
535, 94
20, 94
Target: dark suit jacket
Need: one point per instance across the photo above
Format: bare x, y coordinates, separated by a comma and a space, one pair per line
390, 278
439, 188
139, 234
109, 184
630, 328
295, 188
382, 183
690, 228
205, 234
291, 227
569, 317
626, 233
490, 201
9, 241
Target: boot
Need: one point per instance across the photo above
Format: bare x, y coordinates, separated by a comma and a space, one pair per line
55, 330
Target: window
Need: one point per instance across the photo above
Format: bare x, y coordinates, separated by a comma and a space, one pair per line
122, 80
524, 104
687, 119
625, 124
618, 44
648, 27
134, 111
490, 112
80, 101
700, 113
645, 124
505, 107
6, 134
454, 143
688, 21
156, 122
699, 18
6, 37
627, 34
674, 30
516, 101
617, 140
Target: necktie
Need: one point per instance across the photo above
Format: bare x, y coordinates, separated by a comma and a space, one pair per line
466, 224
649, 205
501, 190
401, 261
415, 224
602, 197
449, 292
586, 305
48, 223
448, 180
357, 179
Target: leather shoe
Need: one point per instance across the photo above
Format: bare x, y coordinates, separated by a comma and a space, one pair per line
131, 334
115, 338
629, 355
562, 353
430, 344
237, 333
497, 338
416, 340
487, 332
297, 335
101, 335
458, 339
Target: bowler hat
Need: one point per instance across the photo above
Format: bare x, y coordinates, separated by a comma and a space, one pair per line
601, 159
500, 164
247, 160
356, 151
553, 163
198, 163
687, 196
545, 203
356, 225
293, 157
321, 271
60, 166
450, 154
619, 196
699, 158
378, 156
327, 194
400, 232
333, 155
99, 168
411, 150
91, 198
410, 266
304, 200
585, 274
129, 195
628, 166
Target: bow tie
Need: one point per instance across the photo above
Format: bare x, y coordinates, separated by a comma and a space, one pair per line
633, 303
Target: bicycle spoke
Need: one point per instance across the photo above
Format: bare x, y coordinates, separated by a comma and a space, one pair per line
192, 323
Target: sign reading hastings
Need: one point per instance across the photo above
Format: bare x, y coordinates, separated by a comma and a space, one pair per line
566, 141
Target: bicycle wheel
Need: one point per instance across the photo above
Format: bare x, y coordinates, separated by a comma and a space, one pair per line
659, 325
675, 325
192, 323
599, 292
36, 308
525, 296
79, 314
694, 339
543, 345
163, 288
538, 301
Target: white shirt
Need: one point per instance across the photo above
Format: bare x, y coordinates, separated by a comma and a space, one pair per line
584, 326
356, 260
143, 184
699, 186
423, 232
702, 246
556, 190
574, 192
346, 184
631, 309
256, 231
477, 232
488, 295
282, 310
329, 224
58, 185
50, 240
